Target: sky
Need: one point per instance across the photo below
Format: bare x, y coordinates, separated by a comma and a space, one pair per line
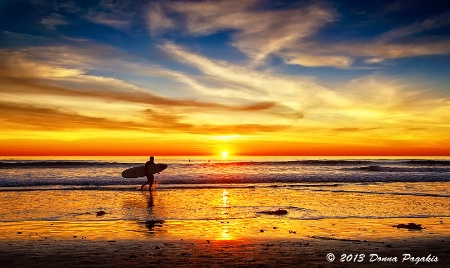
257, 77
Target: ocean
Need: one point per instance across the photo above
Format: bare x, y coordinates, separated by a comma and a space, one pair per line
105, 172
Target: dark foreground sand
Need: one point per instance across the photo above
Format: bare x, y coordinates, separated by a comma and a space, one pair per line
259, 253
255, 242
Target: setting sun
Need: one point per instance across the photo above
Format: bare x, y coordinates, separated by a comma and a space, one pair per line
224, 154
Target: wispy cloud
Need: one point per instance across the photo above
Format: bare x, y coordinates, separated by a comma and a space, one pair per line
29, 72
49, 80
318, 60
298, 94
263, 100
44, 118
258, 33
112, 20
122, 15
54, 20
290, 34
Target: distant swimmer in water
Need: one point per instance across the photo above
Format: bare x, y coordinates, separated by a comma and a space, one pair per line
150, 177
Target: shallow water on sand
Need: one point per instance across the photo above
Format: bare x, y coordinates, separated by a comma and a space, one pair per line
303, 203
217, 214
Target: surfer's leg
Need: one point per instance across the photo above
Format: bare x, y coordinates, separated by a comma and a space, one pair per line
150, 180
145, 183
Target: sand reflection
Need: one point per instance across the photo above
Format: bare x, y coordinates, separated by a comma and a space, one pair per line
224, 233
219, 214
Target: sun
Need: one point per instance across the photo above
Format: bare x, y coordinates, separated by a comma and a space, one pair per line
224, 154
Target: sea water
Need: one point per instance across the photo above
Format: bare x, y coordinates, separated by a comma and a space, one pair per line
96, 172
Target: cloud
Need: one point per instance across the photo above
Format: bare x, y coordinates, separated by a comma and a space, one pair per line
49, 81
259, 106
122, 15
389, 105
384, 49
158, 20
373, 60
259, 33
263, 101
236, 81
54, 20
23, 116
318, 60
56, 71
291, 33
19, 116
67, 6
407, 31
418, 36
390, 94
112, 20
352, 129
171, 122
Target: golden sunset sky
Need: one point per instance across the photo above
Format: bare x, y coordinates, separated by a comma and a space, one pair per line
201, 77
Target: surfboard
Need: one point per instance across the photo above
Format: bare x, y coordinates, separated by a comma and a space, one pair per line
136, 172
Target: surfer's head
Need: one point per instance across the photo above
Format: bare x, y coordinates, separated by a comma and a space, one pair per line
152, 158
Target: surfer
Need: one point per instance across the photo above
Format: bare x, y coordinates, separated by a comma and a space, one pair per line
150, 177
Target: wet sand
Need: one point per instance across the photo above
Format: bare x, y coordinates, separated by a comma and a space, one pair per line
261, 242
261, 253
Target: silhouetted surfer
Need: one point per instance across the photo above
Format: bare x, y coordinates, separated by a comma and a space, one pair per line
150, 177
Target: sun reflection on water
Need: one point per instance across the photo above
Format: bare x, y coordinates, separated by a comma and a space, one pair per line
225, 234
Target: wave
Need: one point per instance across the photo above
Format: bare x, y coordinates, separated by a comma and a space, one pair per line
428, 162
377, 168
196, 182
56, 164
413, 162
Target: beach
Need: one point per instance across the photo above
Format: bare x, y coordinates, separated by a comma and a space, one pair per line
238, 238
83, 214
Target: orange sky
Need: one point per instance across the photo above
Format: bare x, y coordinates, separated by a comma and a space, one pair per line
257, 148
